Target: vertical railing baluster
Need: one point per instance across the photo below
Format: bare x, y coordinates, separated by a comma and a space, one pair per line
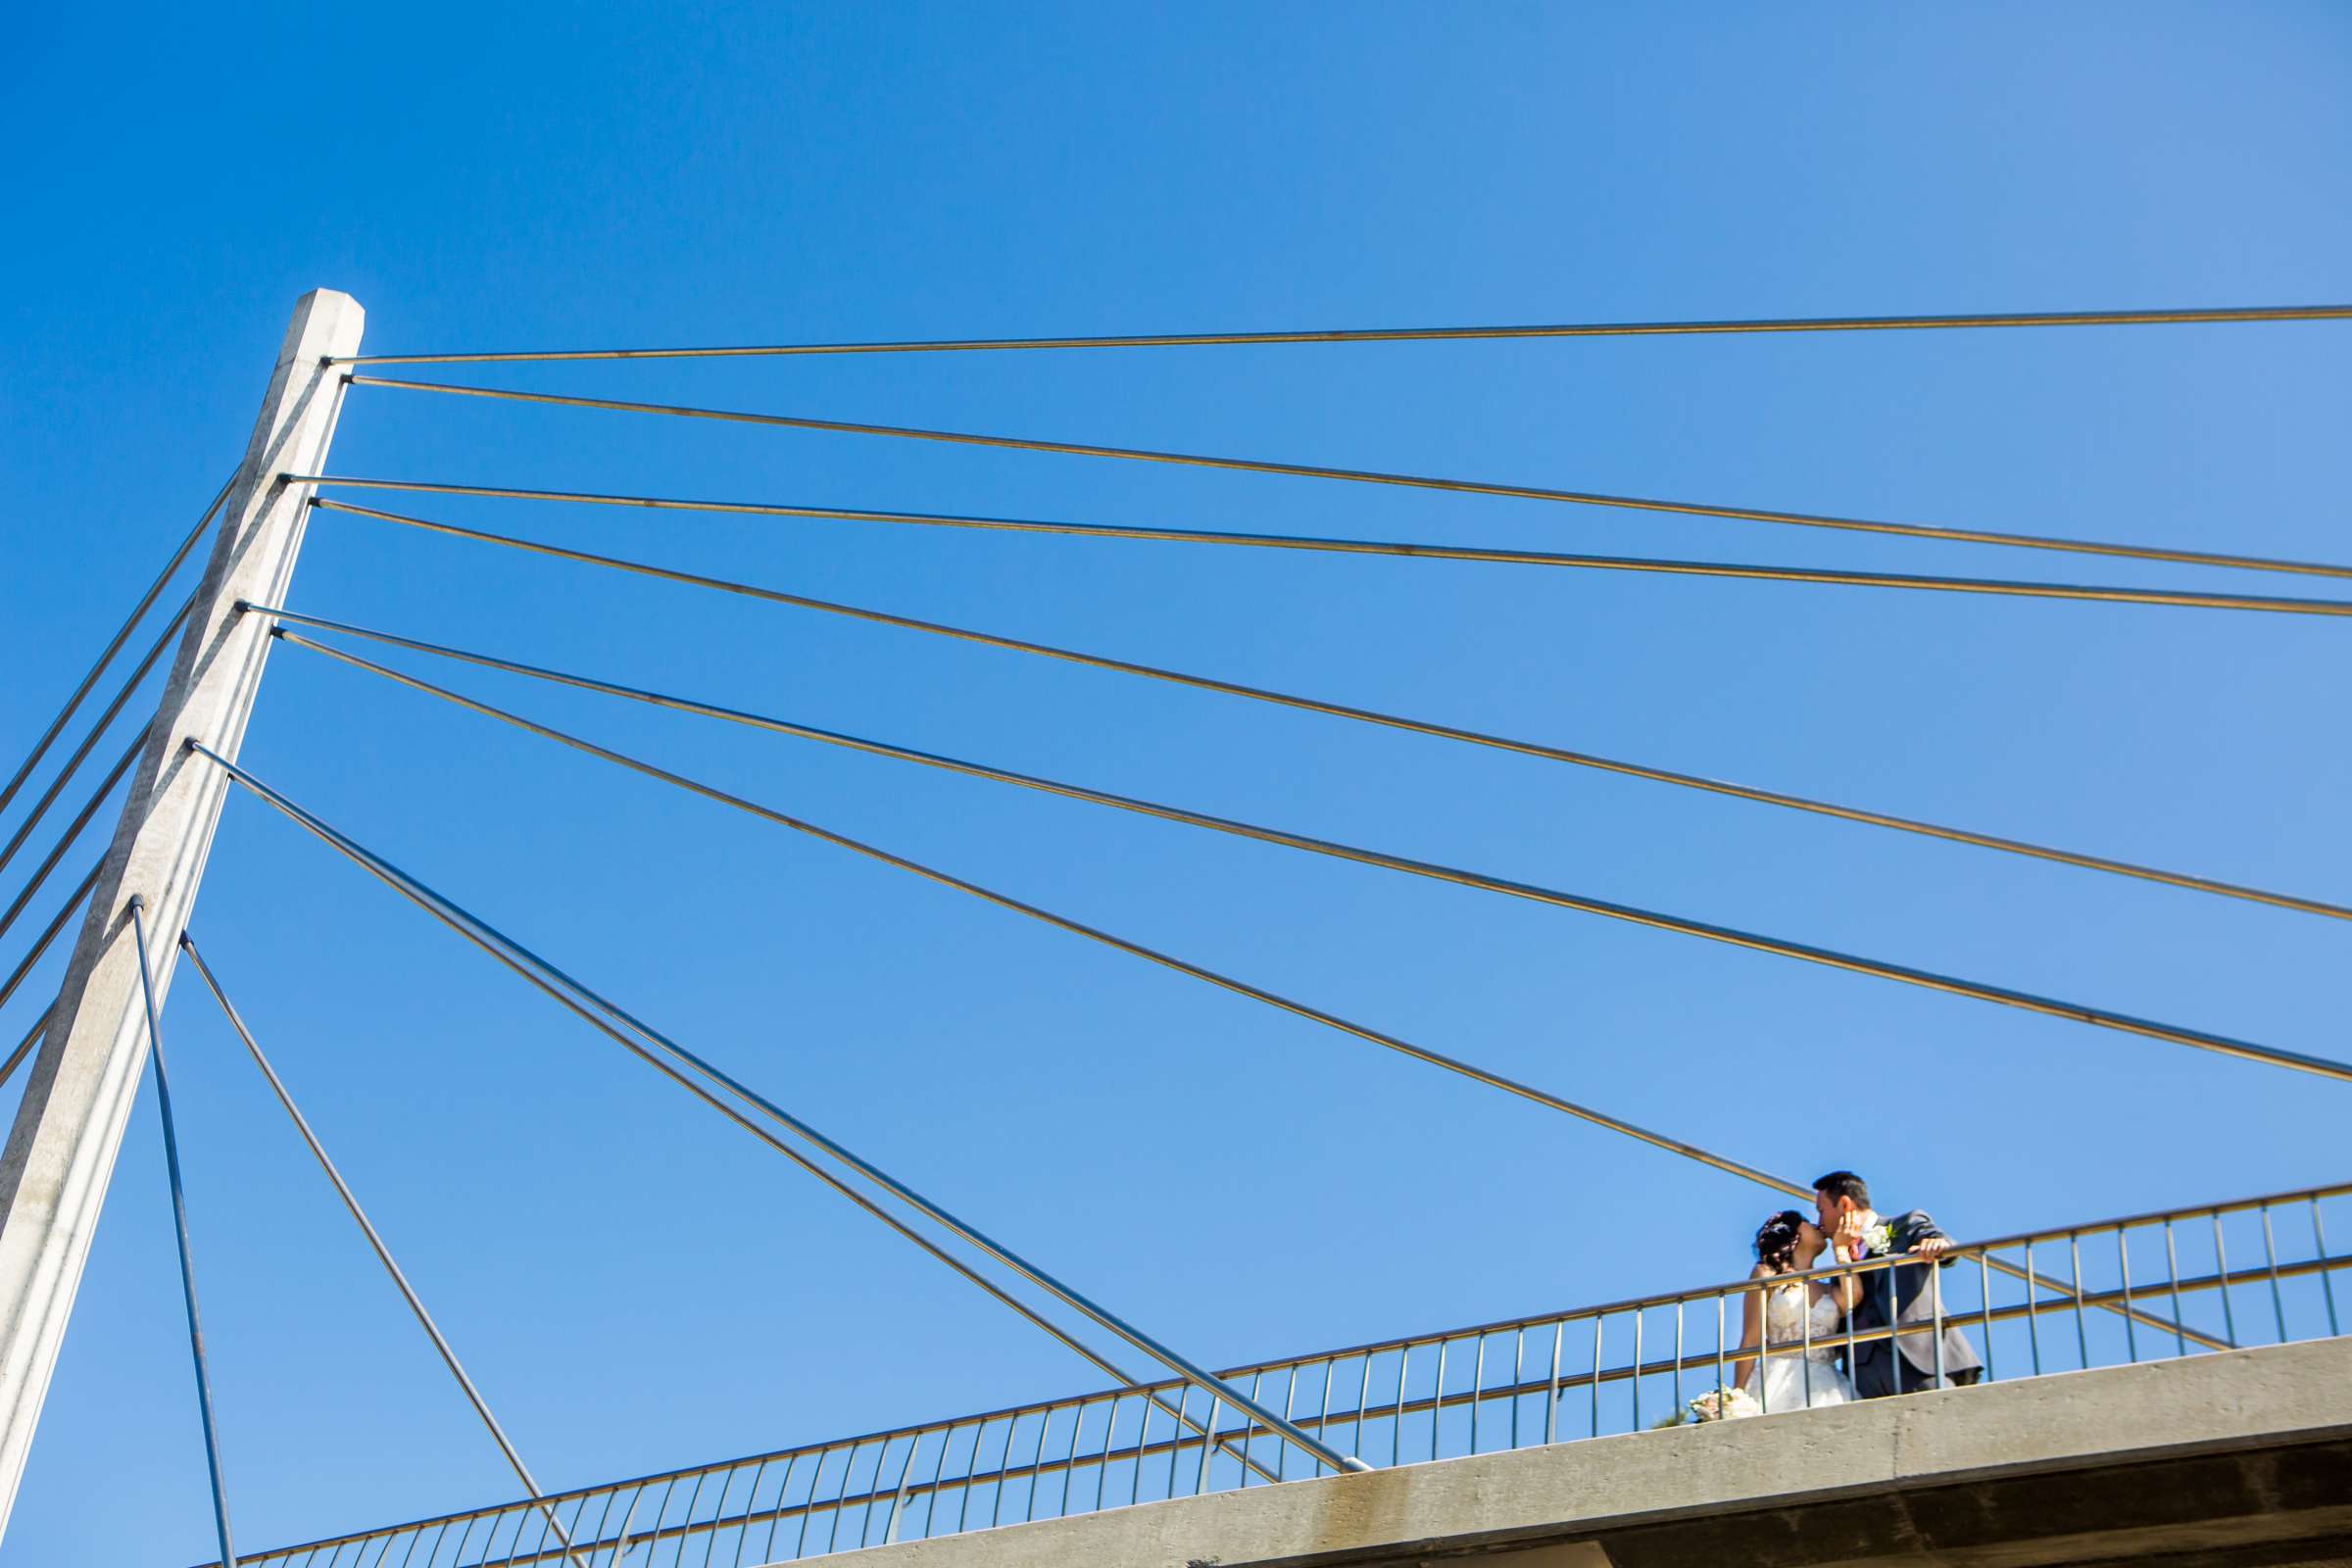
718, 1511
816, 1479
1248, 1432
686, 1520
2074, 1247
841, 1497
1184, 1402
1396, 1428
2220, 1269
1282, 1447
595, 1536
2172, 1268
995, 1506
1597, 1319
1323, 1420
1551, 1395
1518, 1376
1142, 1441
1029, 1509
2123, 1257
1068, 1477
751, 1501
1936, 1312
523, 1517
1804, 1336
1099, 1462
621, 1548
2318, 1244
1639, 1315
2269, 1254
1208, 1446
1985, 1305
1478, 1385
459, 1556
783, 1495
897, 1493
1722, 1382
1678, 1355
1437, 1402
1069, 1468
2032, 1311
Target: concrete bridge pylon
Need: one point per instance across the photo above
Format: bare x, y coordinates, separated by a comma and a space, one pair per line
60, 1150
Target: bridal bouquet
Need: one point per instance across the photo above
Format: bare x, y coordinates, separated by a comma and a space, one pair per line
1724, 1404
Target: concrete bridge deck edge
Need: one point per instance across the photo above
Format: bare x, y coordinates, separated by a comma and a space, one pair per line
1565, 1503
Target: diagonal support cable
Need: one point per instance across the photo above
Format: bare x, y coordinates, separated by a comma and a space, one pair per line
1410, 482
32, 1037
1181, 966
1412, 334
1367, 715
179, 1220
2094, 593
1559, 897
73, 832
57, 923
449, 1356
41, 748
383, 1254
97, 731
564, 988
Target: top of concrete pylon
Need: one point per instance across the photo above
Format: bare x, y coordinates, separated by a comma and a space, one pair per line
326, 325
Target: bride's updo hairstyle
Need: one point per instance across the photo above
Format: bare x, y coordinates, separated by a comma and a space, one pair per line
1776, 1242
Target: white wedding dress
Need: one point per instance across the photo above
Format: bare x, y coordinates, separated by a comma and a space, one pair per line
1790, 1374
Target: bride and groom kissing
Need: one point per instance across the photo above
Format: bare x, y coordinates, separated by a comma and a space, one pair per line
1805, 1322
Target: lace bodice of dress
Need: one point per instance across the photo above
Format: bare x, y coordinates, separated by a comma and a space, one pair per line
1785, 1321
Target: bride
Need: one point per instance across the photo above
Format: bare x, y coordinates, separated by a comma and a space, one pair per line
1794, 1377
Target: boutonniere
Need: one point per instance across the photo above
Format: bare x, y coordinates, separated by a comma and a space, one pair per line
1879, 1240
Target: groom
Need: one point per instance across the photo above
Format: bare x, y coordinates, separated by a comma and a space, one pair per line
1904, 1295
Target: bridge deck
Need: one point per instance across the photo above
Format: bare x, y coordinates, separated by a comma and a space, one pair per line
2242, 1457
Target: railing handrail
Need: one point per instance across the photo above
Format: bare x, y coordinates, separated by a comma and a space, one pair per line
1045, 1407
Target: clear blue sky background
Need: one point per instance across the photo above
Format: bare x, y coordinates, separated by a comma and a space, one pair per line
637, 1285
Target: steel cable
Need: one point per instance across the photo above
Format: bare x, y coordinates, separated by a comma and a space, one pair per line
1239, 987
416, 1307
146, 602
57, 923
179, 1220
32, 1036
1414, 481
66, 840
1408, 334
383, 1254
1554, 754
1582, 903
1995, 587
964, 1231
97, 731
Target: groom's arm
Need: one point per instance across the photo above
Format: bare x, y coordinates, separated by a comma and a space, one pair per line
1921, 1236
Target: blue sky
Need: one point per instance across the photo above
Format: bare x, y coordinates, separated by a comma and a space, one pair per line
636, 1285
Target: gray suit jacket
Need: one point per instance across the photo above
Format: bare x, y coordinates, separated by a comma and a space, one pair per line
1912, 1361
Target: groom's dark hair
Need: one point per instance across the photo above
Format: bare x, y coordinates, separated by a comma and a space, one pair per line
1843, 1184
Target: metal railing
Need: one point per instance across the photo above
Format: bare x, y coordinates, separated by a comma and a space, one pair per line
2143, 1287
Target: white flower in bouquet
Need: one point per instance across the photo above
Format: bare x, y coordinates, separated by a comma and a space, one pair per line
1724, 1404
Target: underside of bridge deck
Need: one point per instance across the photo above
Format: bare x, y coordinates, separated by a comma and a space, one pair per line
2241, 1458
